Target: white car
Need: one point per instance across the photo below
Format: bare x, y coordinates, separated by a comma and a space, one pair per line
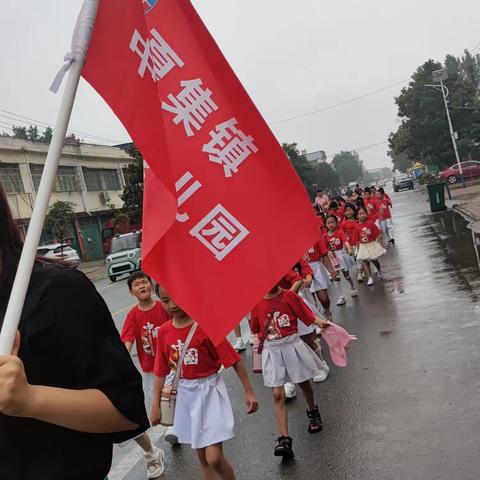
57, 251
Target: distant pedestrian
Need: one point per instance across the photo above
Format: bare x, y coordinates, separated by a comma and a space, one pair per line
322, 200
203, 412
285, 358
340, 252
369, 246
385, 216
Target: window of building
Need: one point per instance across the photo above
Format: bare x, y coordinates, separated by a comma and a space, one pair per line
101, 179
10, 178
65, 181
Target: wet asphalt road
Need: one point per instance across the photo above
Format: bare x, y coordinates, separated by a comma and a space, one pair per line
407, 407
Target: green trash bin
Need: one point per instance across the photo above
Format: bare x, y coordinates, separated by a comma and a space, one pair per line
436, 194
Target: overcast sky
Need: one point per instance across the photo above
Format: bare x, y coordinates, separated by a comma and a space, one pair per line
293, 57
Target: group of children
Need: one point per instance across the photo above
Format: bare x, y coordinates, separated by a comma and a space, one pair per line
284, 326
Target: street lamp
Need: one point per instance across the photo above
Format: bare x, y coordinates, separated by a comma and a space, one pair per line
440, 76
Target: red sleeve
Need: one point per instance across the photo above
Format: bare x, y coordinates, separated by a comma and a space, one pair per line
375, 230
161, 367
343, 236
227, 355
292, 277
254, 322
305, 268
354, 238
322, 247
129, 330
300, 309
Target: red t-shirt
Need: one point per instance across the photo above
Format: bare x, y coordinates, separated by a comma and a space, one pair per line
321, 224
336, 241
288, 308
202, 358
338, 213
384, 208
366, 232
316, 252
142, 328
372, 207
348, 226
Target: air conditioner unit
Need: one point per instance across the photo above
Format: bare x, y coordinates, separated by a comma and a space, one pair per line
104, 197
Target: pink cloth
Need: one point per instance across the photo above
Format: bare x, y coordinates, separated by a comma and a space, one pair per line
338, 341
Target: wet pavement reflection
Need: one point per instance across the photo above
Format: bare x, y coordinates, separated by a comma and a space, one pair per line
407, 405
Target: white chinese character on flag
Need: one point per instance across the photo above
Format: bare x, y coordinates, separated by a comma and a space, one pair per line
183, 217
229, 146
191, 106
156, 55
220, 232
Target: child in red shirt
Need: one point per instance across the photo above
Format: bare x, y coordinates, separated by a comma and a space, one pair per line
385, 216
348, 226
371, 204
141, 327
203, 414
285, 357
367, 235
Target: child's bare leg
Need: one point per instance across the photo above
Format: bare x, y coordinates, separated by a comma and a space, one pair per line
238, 331
377, 265
280, 410
308, 393
368, 270
144, 443
311, 340
323, 298
348, 278
214, 464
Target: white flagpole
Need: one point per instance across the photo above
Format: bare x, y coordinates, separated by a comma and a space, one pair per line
74, 63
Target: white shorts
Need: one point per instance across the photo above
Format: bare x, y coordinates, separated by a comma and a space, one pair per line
289, 359
203, 414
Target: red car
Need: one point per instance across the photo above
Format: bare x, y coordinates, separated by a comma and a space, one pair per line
452, 174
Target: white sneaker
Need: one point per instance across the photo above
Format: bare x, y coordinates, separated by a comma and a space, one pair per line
170, 437
290, 390
370, 281
239, 345
155, 464
324, 375
341, 301
354, 292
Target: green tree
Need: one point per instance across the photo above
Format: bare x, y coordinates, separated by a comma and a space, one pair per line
58, 222
132, 195
400, 161
32, 133
304, 169
348, 165
47, 135
20, 132
326, 177
424, 134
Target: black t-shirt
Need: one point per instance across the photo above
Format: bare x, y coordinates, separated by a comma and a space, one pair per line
69, 340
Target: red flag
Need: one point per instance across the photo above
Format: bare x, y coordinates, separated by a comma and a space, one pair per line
243, 215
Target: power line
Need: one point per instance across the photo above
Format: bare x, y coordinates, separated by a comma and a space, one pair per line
359, 149
355, 99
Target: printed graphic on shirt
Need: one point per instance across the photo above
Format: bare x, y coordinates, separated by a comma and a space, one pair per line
148, 335
279, 321
334, 243
191, 357
365, 233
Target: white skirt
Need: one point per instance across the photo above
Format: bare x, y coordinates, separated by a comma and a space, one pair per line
307, 298
321, 278
370, 251
289, 359
346, 261
203, 414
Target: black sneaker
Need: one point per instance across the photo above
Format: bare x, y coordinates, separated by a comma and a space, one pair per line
315, 424
284, 447
392, 241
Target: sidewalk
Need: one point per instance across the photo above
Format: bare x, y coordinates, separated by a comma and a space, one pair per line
466, 201
94, 270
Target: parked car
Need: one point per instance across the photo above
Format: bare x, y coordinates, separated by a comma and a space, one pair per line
402, 182
452, 174
57, 251
125, 255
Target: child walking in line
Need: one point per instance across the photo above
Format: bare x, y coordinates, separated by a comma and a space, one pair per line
371, 204
340, 255
203, 414
141, 327
369, 248
286, 358
385, 216
348, 226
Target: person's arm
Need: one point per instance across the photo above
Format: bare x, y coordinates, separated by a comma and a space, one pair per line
307, 281
250, 398
156, 414
296, 286
320, 322
328, 265
88, 411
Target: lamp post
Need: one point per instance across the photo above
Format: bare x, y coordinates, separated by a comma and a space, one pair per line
440, 76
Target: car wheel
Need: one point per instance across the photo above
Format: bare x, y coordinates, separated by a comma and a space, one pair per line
452, 179
113, 278
395, 189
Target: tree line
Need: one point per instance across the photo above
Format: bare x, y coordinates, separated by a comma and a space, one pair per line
423, 134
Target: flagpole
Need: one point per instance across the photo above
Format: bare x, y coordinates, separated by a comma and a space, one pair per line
74, 65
